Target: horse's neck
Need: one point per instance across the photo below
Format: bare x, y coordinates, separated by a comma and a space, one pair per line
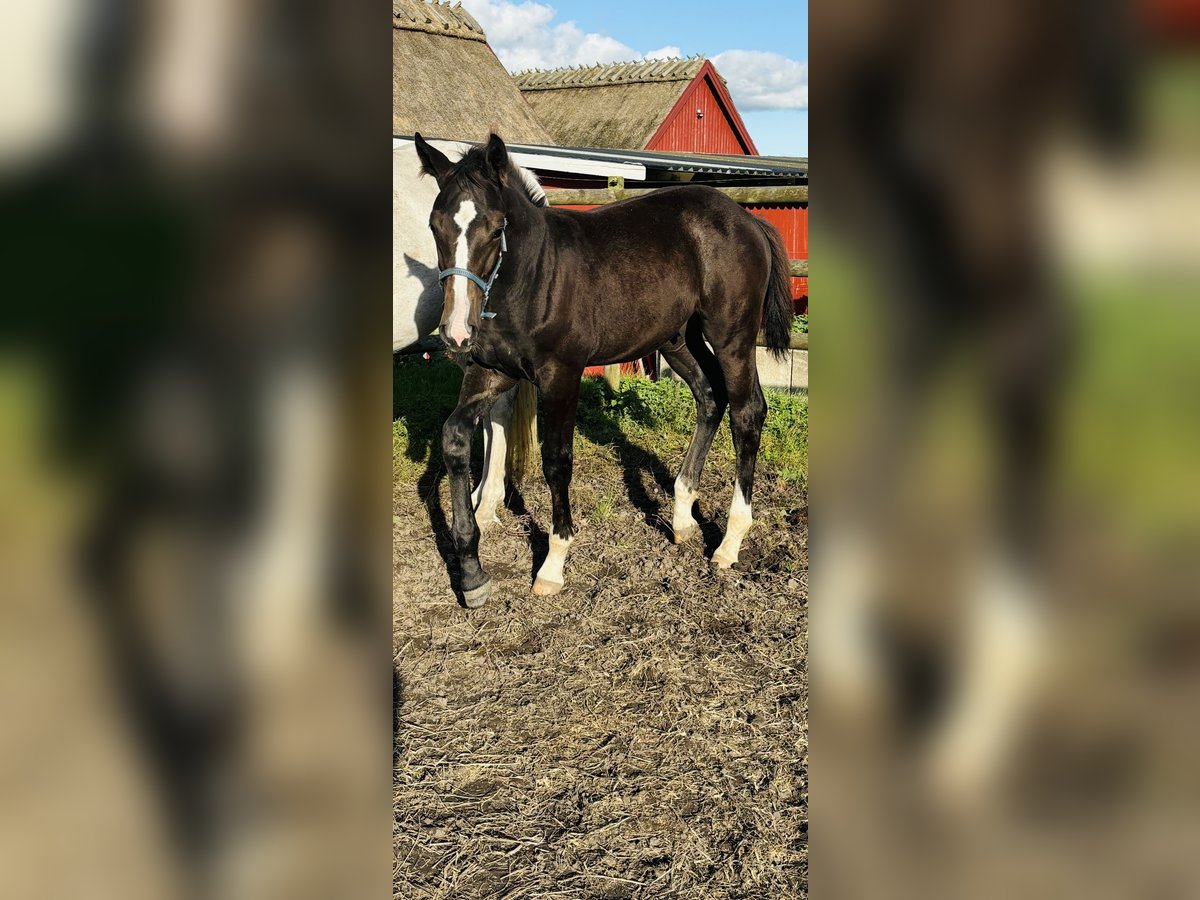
526, 225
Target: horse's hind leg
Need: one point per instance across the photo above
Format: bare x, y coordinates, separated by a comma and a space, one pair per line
560, 400
700, 372
490, 492
747, 412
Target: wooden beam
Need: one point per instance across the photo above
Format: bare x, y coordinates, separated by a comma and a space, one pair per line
799, 268
796, 193
796, 341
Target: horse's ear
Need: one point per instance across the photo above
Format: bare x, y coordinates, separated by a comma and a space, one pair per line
433, 161
496, 155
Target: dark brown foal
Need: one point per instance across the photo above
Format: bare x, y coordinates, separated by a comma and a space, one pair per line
540, 293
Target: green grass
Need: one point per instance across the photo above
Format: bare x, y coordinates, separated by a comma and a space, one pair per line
604, 507
657, 416
424, 393
1133, 436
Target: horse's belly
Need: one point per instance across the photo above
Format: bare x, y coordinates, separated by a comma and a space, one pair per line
630, 334
634, 349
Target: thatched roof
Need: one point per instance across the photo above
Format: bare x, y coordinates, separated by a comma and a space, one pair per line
619, 106
447, 83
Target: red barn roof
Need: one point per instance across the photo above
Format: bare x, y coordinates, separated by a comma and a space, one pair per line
657, 104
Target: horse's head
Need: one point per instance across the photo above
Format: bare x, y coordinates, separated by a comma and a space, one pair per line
468, 226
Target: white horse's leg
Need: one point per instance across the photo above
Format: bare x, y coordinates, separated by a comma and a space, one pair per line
1005, 659
477, 494
490, 492
550, 576
843, 616
683, 523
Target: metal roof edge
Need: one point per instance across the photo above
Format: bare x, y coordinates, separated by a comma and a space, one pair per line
537, 156
628, 162
676, 160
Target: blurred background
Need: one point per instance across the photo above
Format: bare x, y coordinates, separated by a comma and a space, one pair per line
1005, 636
195, 464
194, 468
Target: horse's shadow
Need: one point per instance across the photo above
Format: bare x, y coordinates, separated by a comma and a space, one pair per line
598, 421
429, 490
428, 310
539, 538
398, 698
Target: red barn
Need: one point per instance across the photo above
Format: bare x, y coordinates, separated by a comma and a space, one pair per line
654, 104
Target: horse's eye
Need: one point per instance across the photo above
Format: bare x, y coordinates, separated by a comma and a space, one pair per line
496, 234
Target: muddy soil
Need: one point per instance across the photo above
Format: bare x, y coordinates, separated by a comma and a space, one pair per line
641, 734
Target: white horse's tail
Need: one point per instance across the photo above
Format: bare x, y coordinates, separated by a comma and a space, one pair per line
522, 430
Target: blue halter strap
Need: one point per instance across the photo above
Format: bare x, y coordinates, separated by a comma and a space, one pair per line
485, 286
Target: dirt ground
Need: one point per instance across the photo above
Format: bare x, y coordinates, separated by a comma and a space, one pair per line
642, 734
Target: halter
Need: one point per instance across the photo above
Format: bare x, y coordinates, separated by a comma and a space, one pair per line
485, 286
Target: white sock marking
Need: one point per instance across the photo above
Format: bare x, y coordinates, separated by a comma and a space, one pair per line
682, 518
740, 519
841, 615
552, 568
1005, 658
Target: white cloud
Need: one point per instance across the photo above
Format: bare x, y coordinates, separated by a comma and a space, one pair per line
525, 36
760, 80
667, 52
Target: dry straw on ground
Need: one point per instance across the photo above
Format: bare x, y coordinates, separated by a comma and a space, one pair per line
642, 734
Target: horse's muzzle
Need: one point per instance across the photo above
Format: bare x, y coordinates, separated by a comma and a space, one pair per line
449, 341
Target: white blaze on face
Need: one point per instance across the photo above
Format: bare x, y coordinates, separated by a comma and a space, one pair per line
460, 303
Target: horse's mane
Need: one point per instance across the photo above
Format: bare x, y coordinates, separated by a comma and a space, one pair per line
532, 187
472, 169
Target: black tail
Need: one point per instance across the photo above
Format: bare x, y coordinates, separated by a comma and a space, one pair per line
777, 314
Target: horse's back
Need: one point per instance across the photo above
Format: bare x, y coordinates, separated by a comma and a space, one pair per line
699, 201
693, 230
640, 268
692, 216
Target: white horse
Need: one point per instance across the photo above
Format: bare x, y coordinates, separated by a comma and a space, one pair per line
510, 434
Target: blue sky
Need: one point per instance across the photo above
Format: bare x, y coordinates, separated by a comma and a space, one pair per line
762, 54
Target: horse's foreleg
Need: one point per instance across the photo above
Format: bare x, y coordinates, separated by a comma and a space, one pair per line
560, 399
480, 390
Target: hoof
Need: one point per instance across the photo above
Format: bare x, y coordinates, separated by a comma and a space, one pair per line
683, 535
477, 597
545, 588
721, 561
